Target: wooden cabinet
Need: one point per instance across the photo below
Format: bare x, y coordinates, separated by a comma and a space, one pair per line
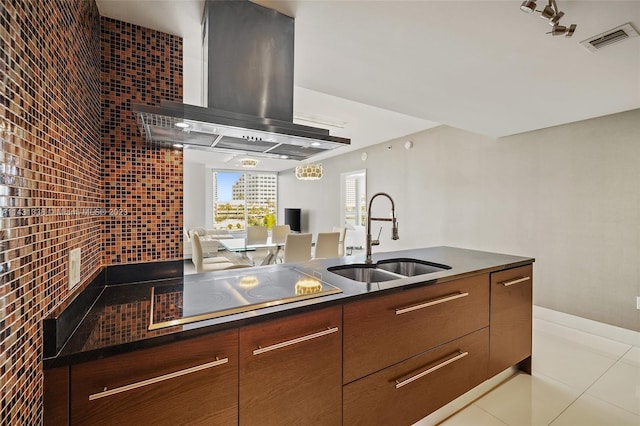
290, 370
390, 359
385, 330
406, 392
56, 396
191, 382
511, 309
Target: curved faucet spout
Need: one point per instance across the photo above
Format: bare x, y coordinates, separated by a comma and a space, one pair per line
394, 231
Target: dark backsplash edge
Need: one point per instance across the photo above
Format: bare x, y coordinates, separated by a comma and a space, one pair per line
149, 271
57, 329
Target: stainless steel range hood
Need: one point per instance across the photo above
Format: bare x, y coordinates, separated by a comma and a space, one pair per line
249, 83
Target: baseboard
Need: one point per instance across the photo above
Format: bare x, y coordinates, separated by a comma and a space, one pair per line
612, 332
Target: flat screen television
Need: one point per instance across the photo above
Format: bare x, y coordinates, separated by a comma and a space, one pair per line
292, 218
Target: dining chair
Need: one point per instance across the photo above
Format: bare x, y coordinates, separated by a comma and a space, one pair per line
297, 248
257, 235
209, 246
209, 264
343, 233
279, 236
279, 233
327, 245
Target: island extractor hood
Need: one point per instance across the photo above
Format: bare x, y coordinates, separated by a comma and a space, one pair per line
248, 56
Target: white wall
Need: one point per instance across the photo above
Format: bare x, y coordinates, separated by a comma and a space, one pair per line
568, 196
194, 195
192, 84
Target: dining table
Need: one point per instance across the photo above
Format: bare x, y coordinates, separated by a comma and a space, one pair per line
239, 245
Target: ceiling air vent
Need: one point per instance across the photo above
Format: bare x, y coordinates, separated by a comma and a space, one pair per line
615, 35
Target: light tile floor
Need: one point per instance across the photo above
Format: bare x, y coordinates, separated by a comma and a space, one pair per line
578, 379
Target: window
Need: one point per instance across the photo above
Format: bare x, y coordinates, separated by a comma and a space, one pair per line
244, 199
354, 198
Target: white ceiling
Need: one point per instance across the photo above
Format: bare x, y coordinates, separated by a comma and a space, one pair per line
390, 68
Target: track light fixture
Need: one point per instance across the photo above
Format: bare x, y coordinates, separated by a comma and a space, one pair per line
554, 20
558, 30
552, 15
528, 6
548, 12
562, 30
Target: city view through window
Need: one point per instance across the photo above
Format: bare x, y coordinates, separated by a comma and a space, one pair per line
244, 199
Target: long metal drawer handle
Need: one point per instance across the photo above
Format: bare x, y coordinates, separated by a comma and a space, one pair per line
158, 379
515, 281
433, 302
460, 355
261, 350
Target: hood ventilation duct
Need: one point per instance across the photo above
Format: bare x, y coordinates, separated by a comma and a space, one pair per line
248, 56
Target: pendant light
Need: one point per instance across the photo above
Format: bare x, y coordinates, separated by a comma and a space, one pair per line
309, 171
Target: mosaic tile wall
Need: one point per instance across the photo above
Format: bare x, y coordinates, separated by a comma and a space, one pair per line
74, 171
50, 183
142, 184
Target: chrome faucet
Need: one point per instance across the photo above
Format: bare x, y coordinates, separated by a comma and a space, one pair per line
394, 231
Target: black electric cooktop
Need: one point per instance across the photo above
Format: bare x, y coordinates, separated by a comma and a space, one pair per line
231, 294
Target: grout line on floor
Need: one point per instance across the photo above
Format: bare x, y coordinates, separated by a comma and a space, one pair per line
591, 385
491, 414
602, 400
539, 373
473, 402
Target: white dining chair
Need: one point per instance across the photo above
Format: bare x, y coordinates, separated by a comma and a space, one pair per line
279, 236
209, 264
279, 233
209, 246
257, 235
343, 233
297, 248
327, 245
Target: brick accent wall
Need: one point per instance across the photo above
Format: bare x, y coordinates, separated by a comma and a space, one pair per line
142, 184
72, 163
50, 183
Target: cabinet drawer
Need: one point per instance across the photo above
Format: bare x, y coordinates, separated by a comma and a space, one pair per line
290, 370
382, 331
511, 310
406, 392
191, 382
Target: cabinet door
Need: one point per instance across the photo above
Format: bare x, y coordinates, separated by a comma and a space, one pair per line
56, 397
190, 382
511, 308
406, 392
382, 331
290, 370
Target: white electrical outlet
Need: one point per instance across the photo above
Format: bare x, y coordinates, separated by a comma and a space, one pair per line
638, 302
74, 267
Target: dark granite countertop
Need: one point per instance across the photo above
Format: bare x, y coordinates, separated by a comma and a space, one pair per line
119, 320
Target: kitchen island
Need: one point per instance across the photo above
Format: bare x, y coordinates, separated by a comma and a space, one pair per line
243, 347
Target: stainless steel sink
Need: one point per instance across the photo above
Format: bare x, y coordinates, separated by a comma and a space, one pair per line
364, 273
387, 270
410, 267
